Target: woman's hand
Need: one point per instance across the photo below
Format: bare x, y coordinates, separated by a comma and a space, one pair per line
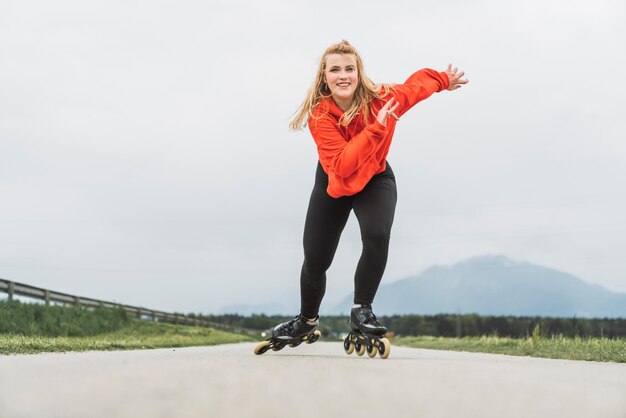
455, 78
386, 111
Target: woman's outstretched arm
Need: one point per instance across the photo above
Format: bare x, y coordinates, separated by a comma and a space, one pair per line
423, 83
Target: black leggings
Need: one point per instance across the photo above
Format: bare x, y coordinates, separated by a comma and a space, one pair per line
374, 207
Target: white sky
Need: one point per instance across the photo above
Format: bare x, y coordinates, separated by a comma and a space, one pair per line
145, 155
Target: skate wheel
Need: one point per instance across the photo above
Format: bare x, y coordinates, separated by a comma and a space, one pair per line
348, 346
384, 348
295, 344
360, 349
314, 337
262, 348
372, 350
278, 346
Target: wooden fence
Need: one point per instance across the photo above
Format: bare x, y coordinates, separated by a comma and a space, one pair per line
19, 289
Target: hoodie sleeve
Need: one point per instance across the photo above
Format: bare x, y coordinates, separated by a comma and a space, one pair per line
419, 86
337, 154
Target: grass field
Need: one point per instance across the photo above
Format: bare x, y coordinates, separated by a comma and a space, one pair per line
592, 349
135, 334
138, 334
36, 328
28, 328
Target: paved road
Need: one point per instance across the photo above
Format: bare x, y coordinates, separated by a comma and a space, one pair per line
316, 380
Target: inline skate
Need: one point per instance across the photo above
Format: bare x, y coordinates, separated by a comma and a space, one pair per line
291, 333
367, 334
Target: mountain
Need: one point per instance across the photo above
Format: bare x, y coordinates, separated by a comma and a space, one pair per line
495, 285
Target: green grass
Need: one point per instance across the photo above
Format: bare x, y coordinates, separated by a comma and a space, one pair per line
591, 349
27, 328
59, 321
135, 334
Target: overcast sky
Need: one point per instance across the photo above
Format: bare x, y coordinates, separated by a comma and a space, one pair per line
145, 155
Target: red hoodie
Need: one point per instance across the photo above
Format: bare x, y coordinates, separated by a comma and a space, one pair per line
352, 155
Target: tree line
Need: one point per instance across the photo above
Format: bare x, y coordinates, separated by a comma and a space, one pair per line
39, 319
452, 325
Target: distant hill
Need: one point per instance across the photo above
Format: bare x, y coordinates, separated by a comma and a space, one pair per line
495, 285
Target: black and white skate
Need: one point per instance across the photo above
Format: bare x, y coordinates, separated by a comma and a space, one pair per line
292, 333
367, 334
363, 319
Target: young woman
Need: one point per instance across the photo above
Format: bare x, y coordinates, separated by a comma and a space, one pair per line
352, 121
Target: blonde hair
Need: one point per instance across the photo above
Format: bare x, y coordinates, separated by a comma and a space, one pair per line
364, 93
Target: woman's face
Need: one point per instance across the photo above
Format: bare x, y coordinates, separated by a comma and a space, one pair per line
342, 77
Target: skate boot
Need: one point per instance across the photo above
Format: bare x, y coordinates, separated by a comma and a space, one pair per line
367, 334
292, 333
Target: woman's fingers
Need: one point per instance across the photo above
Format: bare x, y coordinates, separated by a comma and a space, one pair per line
388, 110
455, 77
392, 110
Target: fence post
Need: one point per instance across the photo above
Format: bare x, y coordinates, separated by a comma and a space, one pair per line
11, 290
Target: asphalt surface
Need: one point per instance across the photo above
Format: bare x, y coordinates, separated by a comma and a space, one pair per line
317, 380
